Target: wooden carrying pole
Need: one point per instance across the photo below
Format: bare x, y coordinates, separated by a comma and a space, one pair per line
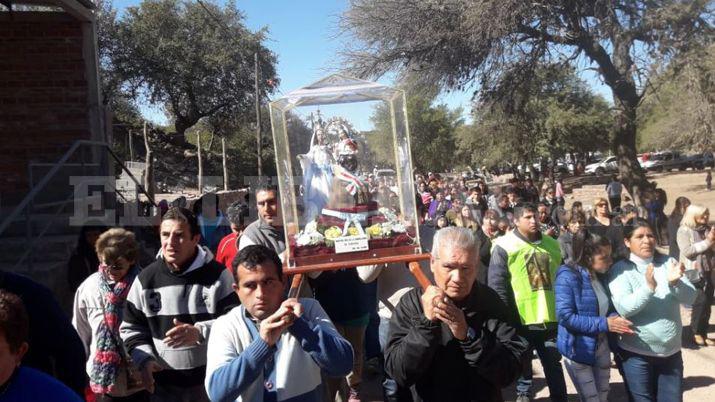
416, 271
295, 286
414, 267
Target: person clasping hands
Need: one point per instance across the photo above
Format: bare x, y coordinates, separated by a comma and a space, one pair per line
439, 307
437, 336
270, 345
273, 327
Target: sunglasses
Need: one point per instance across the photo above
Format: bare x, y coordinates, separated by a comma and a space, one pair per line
115, 267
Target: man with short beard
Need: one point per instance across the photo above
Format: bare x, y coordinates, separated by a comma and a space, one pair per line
268, 229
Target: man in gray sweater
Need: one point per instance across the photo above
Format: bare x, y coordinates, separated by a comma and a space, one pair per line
268, 229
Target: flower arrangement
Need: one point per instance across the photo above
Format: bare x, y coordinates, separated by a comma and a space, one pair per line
317, 234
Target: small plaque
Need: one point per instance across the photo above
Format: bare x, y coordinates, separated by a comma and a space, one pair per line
351, 243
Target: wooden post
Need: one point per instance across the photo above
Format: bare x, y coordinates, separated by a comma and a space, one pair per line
131, 146
258, 117
149, 165
211, 141
223, 162
201, 166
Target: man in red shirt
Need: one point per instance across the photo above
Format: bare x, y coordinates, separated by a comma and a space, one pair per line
228, 247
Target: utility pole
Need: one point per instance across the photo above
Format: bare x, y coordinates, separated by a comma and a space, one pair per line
258, 117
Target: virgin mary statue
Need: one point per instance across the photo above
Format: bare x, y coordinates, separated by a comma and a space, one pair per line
317, 174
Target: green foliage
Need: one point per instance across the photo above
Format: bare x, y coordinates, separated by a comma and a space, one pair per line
680, 112
432, 134
110, 78
458, 43
194, 58
554, 115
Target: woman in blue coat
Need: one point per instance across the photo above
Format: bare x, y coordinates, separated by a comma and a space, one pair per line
582, 307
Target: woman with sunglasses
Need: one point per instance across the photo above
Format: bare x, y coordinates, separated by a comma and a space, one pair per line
602, 223
601, 216
98, 306
647, 288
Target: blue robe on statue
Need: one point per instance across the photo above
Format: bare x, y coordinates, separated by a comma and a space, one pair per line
317, 176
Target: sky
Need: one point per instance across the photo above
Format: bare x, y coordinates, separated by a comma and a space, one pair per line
304, 35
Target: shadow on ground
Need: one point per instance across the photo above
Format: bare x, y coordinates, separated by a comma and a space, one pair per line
693, 382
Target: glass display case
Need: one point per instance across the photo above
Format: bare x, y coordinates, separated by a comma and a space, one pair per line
345, 175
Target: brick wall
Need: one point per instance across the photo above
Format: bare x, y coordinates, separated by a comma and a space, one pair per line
43, 94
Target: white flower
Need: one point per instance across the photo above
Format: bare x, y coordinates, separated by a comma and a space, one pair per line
399, 228
388, 214
311, 227
303, 240
309, 239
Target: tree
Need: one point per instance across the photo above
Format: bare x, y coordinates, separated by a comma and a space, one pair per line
680, 114
432, 130
110, 80
455, 42
554, 115
194, 57
495, 138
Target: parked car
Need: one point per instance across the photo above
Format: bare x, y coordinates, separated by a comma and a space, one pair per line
668, 160
607, 165
563, 168
702, 160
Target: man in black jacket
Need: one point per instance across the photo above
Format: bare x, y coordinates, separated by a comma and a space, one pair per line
452, 341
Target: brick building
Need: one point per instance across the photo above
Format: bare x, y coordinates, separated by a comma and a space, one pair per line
49, 87
49, 99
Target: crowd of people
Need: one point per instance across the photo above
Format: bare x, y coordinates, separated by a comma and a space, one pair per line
513, 273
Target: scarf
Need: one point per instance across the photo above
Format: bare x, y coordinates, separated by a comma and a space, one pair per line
108, 356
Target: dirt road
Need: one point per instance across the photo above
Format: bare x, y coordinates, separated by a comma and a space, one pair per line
698, 382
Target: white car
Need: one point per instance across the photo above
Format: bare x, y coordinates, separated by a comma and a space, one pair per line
610, 164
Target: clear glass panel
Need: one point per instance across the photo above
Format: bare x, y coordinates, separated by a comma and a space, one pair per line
345, 174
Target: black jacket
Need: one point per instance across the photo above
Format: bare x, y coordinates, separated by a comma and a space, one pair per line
485, 254
425, 354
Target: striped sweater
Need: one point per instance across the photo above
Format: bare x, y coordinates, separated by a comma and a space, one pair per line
197, 296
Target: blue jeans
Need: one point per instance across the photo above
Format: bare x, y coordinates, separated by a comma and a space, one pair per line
544, 342
653, 379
